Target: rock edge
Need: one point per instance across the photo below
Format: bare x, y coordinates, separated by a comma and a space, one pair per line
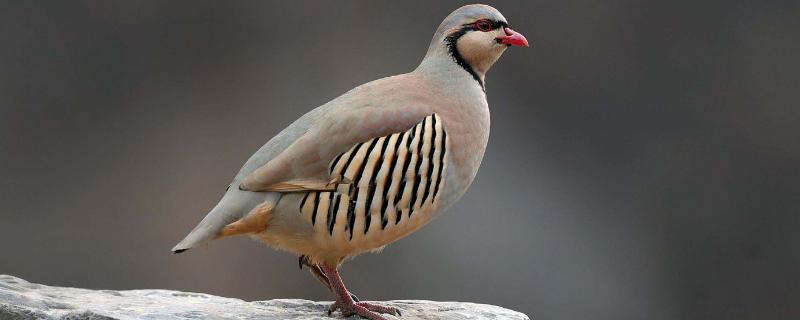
20, 299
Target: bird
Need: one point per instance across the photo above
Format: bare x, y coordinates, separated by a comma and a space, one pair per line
372, 165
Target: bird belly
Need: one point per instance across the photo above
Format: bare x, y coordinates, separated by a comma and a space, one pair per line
342, 227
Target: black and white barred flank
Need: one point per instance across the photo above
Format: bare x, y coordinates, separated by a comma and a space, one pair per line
386, 177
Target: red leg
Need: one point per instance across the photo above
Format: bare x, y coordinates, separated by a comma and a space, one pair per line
345, 302
316, 271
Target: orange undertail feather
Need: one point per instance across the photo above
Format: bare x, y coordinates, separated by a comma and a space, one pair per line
253, 223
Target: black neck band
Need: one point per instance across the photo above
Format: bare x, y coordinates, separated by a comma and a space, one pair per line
452, 48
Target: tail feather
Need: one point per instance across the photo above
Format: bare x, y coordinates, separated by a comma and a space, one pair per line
209, 228
233, 206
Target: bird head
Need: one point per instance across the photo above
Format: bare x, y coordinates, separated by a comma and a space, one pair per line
474, 37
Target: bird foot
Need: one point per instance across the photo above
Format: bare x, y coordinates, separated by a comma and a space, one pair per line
363, 309
345, 302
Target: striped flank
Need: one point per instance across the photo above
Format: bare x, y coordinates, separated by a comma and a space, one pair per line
388, 178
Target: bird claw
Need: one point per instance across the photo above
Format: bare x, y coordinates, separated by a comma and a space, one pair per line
334, 306
363, 309
380, 309
303, 261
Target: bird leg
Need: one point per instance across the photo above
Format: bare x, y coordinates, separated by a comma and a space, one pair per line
345, 302
317, 273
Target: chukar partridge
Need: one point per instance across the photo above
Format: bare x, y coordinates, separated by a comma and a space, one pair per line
374, 164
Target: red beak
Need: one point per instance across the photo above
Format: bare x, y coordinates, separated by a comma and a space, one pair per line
512, 38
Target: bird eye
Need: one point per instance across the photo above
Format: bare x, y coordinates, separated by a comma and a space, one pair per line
484, 25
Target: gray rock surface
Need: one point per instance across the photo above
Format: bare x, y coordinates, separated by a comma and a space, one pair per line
20, 299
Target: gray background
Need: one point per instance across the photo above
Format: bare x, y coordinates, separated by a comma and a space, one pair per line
643, 162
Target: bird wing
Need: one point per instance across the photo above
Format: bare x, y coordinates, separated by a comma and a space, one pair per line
308, 163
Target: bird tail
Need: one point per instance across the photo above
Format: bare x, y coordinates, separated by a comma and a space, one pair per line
233, 206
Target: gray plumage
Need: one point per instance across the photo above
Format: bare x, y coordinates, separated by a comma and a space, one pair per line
440, 108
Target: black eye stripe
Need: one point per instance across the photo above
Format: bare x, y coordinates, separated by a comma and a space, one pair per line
495, 24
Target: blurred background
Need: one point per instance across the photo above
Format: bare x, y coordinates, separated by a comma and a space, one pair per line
644, 159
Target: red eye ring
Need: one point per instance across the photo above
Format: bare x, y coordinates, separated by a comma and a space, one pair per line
484, 25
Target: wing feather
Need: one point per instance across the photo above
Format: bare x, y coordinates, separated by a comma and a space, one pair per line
305, 164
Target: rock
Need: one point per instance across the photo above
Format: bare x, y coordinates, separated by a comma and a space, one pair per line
20, 299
